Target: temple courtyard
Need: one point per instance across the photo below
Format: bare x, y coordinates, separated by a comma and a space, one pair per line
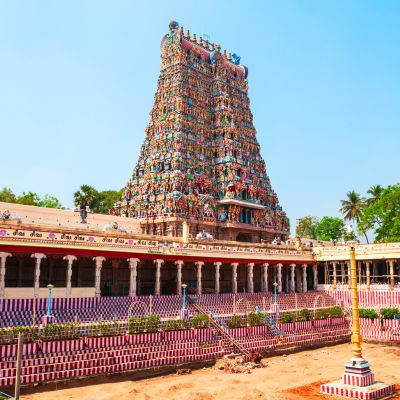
286, 377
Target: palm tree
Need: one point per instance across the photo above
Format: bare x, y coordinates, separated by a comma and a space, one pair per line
87, 196
352, 208
375, 191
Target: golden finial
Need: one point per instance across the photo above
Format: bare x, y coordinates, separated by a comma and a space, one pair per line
188, 34
229, 56
194, 38
201, 41
225, 52
207, 43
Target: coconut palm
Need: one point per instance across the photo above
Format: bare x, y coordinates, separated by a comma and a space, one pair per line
352, 208
87, 196
375, 192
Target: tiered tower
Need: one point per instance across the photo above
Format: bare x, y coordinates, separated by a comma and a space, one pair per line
200, 161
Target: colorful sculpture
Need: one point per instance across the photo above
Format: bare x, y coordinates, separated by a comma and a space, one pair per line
200, 159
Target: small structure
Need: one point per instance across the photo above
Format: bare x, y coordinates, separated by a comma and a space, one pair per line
358, 381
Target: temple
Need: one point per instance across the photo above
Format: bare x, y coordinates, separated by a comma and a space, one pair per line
194, 263
200, 167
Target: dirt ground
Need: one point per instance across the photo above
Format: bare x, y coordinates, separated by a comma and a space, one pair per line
292, 377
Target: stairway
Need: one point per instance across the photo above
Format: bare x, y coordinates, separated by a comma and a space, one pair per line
229, 343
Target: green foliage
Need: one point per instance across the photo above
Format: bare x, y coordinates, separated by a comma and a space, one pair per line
304, 315
50, 202
330, 228
29, 199
256, 318
367, 313
87, 196
307, 227
287, 317
389, 313
107, 200
382, 214
98, 202
236, 322
143, 324
336, 312
322, 313
7, 195
200, 321
176, 324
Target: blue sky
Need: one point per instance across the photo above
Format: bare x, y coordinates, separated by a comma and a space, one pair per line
77, 80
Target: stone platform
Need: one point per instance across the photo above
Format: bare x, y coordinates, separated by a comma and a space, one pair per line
370, 392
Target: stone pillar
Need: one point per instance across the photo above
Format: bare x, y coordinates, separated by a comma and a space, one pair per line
265, 277
250, 280
70, 259
97, 278
280, 277
199, 265
391, 272
133, 264
349, 273
292, 284
157, 288
234, 277
304, 278
299, 280
3, 258
315, 276
179, 265
217, 267
343, 273
334, 276
39, 257
368, 274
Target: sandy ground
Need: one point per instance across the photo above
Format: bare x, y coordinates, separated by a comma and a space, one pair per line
293, 377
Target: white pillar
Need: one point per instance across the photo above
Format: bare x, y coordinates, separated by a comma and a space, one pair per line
368, 273
280, 277
315, 276
3, 258
70, 259
199, 265
391, 272
250, 280
343, 273
179, 265
97, 280
334, 275
157, 289
292, 286
133, 263
217, 268
234, 277
304, 278
265, 277
39, 257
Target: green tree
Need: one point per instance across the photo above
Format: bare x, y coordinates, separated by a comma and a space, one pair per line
50, 202
7, 195
306, 227
352, 209
87, 196
375, 193
107, 200
383, 215
331, 228
29, 199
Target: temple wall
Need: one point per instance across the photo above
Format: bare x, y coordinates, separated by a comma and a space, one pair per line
27, 293
67, 218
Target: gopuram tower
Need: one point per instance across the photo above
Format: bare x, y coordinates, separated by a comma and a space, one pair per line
200, 168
